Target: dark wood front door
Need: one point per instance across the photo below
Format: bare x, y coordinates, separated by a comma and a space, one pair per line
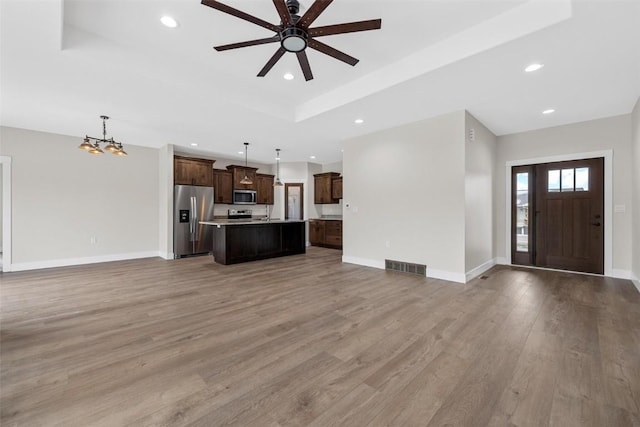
569, 208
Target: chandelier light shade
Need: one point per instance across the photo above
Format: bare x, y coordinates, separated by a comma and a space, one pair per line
246, 180
277, 182
111, 146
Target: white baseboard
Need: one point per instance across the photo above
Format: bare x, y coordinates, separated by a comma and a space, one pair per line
446, 275
37, 265
363, 261
475, 272
620, 274
167, 255
635, 281
501, 261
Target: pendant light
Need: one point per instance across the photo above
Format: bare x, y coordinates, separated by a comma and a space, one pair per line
246, 180
277, 182
112, 146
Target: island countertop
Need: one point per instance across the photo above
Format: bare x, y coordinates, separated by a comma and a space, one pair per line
224, 222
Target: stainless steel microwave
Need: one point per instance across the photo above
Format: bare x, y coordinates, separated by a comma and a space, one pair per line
244, 197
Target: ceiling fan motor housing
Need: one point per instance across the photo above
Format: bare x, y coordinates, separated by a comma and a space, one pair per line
293, 39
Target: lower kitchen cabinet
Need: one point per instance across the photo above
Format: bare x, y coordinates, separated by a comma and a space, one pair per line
327, 233
237, 243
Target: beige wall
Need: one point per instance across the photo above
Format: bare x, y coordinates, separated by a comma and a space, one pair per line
613, 133
63, 197
404, 196
635, 148
479, 169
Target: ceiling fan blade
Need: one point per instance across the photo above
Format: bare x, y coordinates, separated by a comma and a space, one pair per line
328, 50
239, 14
283, 11
304, 64
247, 43
269, 65
313, 12
350, 27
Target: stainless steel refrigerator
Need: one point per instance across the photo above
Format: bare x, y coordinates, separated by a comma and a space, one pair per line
192, 204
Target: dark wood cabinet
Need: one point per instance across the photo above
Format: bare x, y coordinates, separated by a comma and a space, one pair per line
327, 233
242, 243
316, 232
189, 171
223, 186
336, 188
323, 187
239, 173
264, 187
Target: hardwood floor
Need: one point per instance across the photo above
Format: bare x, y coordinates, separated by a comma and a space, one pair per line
308, 341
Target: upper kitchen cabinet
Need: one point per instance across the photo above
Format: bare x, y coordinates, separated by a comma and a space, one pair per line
223, 186
323, 187
336, 188
239, 172
264, 184
189, 171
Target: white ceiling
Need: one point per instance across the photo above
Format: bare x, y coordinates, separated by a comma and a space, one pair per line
64, 63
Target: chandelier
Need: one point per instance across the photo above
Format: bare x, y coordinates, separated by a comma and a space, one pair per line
112, 146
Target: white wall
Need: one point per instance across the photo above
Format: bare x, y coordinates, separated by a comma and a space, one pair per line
404, 196
1, 216
635, 148
479, 169
613, 133
62, 197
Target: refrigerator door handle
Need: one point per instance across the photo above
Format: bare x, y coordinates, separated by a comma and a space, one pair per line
192, 222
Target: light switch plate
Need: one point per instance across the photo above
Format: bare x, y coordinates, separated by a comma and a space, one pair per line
620, 208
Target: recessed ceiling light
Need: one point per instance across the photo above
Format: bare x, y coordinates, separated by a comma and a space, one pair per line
288, 76
358, 121
240, 152
168, 21
193, 144
312, 157
533, 67
549, 111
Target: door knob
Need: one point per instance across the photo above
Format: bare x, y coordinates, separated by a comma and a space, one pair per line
597, 224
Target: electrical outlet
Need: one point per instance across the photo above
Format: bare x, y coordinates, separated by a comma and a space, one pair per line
387, 244
94, 240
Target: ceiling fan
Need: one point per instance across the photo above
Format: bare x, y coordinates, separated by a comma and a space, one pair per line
294, 33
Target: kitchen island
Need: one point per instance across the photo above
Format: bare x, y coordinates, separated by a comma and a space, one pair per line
236, 241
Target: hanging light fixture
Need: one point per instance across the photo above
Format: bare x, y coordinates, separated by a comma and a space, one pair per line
112, 146
246, 180
277, 182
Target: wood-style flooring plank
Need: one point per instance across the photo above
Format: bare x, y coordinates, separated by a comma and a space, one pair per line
309, 341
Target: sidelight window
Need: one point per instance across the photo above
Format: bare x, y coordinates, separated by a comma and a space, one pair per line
522, 212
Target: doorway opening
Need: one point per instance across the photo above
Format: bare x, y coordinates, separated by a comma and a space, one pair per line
294, 197
557, 215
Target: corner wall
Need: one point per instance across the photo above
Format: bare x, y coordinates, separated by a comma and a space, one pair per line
64, 198
480, 151
635, 166
404, 196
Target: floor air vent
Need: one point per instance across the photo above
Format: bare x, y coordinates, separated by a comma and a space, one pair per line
405, 267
